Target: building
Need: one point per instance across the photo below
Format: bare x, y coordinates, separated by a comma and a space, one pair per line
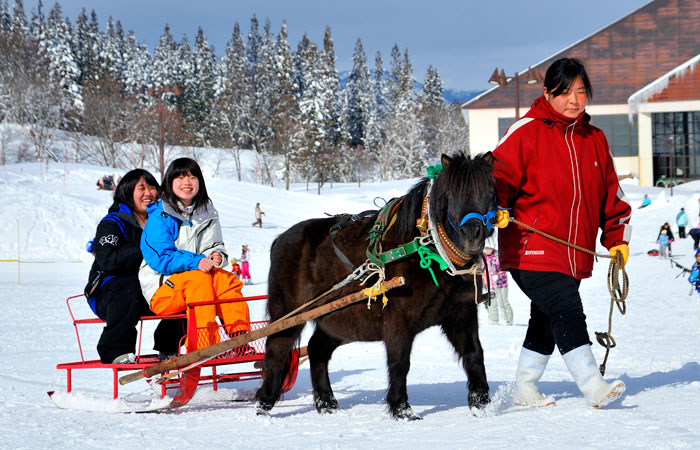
646, 81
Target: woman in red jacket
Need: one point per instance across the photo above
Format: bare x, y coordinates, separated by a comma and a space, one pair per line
554, 172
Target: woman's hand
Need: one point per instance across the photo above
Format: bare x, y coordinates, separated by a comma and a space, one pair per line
205, 265
217, 258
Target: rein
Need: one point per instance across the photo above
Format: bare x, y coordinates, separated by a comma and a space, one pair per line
618, 294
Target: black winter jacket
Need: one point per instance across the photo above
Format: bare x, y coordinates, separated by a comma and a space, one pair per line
116, 247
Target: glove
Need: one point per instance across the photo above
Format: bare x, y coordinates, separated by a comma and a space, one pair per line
622, 248
502, 218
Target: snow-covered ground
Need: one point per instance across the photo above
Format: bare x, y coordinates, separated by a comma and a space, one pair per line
54, 212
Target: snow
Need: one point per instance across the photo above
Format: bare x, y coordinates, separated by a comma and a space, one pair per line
657, 353
657, 86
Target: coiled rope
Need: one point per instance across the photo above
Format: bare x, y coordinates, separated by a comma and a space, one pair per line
618, 294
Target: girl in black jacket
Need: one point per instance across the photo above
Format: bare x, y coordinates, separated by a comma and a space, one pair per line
113, 290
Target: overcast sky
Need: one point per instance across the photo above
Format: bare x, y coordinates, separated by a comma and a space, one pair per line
464, 39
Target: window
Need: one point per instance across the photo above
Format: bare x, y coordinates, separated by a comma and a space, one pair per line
676, 144
621, 134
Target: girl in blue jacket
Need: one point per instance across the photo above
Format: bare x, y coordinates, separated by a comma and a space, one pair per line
184, 252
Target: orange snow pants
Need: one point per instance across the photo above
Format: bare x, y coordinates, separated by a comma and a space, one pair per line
196, 286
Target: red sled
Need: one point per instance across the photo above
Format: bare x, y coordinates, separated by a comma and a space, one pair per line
238, 364
653, 252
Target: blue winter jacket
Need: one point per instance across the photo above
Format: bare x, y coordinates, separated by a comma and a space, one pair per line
173, 243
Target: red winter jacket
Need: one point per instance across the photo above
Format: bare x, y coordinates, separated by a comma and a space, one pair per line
556, 174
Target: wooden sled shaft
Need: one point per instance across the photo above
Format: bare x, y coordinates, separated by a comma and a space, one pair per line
275, 327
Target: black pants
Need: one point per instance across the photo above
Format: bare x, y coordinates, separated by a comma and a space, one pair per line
681, 232
120, 303
695, 234
556, 311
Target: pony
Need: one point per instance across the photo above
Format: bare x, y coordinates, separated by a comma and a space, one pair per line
304, 263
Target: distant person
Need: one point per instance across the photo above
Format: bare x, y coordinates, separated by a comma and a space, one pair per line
245, 267
184, 252
646, 201
663, 242
113, 290
258, 215
694, 279
543, 173
695, 234
667, 228
499, 283
681, 221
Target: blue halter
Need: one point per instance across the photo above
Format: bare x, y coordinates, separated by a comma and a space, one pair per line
487, 219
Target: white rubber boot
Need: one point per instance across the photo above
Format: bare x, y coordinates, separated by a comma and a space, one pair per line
531, 366
583, 368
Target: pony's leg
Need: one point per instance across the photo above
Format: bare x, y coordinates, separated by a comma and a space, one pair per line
463, 333
321, 347
398, 352
277, 349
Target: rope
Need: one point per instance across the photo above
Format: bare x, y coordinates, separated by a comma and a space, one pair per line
618, 294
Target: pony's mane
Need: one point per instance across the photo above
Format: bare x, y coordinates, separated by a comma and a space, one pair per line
463, 177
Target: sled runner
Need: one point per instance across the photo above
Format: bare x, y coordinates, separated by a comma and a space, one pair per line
237, 364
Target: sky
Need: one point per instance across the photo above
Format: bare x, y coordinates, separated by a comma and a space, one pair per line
464, 39
57, 209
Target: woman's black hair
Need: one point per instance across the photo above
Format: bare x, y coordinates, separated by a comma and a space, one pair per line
183, 166
124, 193
562, 73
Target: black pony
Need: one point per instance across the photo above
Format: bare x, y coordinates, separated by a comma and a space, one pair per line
304, 264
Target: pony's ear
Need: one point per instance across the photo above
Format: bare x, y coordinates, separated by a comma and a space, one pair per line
488, 159
445, 161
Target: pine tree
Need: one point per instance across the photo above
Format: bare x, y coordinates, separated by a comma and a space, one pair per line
37, 22
432, 112
205, 75
313, 154
110, 58
19, 20
137, 65
164, 61
56, 49
5, 17
357, 90
340, 163
285, 106
183, 77
404, 145
234, 94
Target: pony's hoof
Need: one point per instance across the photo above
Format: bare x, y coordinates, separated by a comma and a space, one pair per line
405, 413
479, 399
326, 405
263, 408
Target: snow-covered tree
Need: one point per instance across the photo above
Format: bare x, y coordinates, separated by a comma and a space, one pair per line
432, 112
5, 17
110, 57
137, 65
333, 130
55, 48
233, 94
19, 20
205, 79
37, 21
286, 126
404, 144
164, 61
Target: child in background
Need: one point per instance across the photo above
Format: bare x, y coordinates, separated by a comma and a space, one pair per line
245, 272
235, 268
499, 283
183, 248
663, 242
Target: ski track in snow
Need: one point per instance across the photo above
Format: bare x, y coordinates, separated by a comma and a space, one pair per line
657, 353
